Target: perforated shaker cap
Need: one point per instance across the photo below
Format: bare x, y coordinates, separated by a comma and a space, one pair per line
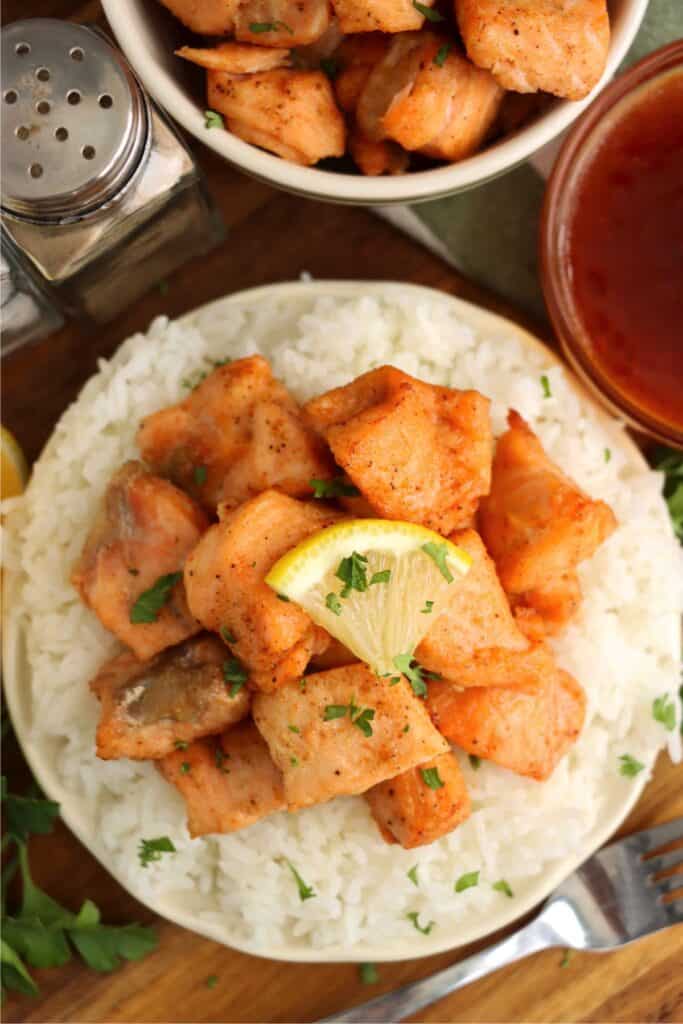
75, 122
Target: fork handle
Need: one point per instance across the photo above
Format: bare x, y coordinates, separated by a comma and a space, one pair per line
395, 1006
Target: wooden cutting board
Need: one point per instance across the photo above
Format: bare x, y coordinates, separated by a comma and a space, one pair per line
274, 237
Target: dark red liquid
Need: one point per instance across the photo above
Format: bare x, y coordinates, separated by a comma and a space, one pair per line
626, 250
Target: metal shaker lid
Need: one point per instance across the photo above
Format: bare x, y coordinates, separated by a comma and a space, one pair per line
75, 122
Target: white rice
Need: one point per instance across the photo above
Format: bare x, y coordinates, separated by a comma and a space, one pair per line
622, 647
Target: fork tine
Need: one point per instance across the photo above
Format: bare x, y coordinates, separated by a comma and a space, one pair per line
653, 838
664, 861
672, 884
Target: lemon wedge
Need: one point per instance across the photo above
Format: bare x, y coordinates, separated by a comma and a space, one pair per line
374, 584
14, 471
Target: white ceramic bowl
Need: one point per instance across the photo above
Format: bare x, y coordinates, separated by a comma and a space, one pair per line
181, 909
148, 35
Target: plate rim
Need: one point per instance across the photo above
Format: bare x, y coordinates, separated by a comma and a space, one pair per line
18, 704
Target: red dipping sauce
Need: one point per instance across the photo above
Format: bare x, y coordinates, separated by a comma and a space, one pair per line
612, 246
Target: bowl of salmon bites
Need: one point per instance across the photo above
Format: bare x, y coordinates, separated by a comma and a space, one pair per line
374, 101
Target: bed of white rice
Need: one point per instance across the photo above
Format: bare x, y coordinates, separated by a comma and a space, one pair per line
622, 647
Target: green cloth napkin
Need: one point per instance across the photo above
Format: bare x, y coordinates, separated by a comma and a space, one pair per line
490, 233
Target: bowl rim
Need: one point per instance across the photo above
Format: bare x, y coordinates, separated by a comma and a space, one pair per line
17, 687
565, 177
125, 19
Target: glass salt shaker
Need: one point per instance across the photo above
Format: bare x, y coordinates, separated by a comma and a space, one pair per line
101, 198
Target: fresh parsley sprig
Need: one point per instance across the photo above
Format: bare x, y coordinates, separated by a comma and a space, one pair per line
43, 933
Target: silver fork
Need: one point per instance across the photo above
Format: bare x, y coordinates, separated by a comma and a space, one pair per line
612, 899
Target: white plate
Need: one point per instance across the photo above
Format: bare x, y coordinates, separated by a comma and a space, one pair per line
146, 34
18, 687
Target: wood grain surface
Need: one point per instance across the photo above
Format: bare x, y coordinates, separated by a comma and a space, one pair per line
274, 237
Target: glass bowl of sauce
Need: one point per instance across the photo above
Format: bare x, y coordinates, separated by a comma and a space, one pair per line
612, 246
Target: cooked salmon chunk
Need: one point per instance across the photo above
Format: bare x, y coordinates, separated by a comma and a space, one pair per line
526, 729
417, 452
227, 782
224, 578
236, 434
476, 640
421, 805
376, 158
378, 15
556, 46
536, 522
205, 17
151, 707
427, 96
356, 56
342, 732
281, 22
476, 101
143, 532
555, 603
289, 112
237, 58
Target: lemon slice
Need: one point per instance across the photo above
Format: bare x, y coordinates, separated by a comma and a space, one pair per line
375, 585
13, 466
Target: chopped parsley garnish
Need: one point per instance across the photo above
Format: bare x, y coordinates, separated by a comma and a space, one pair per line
438, 554
234, 675
629, 766
406, 728
181, 744
360, 717
428, 12
294, 761
394, 680
212, 119
504, 887
282, 597
200, 475
257, 27
335, 711
185, 768
413, 916
431, 778
362, 721
151, 601
211, 981
427, 610
414, 673
565, 961
306, 892
333, 603
474, 761
294, 728
134, 572
228, 635
441, 56
338, 487
219, 759
664, 711
607, 454
368, 974
412, 875
152, 849
381, 577
330, 66
467, 881
351, 572
545, 384
302, 685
